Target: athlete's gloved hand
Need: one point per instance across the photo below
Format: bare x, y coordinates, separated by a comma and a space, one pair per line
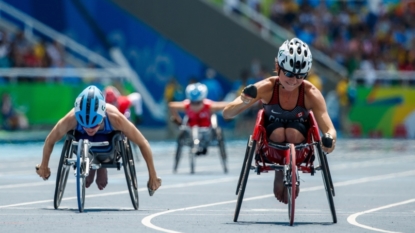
175, 120
153, 185
250, 92
43, 172
327, 142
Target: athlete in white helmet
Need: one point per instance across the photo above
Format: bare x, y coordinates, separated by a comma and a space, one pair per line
287, 100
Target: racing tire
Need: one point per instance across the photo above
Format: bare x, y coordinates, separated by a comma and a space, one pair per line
130, 172
326, 180
246, 170
62, 173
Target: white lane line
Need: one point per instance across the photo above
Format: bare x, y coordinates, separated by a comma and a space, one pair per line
147, 220
352, 218
180, 185
43, 183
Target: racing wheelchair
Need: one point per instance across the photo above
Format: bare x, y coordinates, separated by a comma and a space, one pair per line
83, 155
288, 158
199, 139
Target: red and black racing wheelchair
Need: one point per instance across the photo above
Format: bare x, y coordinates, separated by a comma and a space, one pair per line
288, 158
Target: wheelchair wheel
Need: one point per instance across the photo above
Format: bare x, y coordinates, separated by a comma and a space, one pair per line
247, 168
130, 172
327, 180
243, 166
180, 144
291, 176
221, 142
62, 173
80, 173
192, 159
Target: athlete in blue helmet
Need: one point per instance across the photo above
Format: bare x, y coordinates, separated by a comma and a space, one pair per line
94, 119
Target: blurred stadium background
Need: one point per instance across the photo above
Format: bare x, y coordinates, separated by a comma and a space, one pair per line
364, 58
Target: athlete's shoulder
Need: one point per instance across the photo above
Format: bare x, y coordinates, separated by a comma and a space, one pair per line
310, 88
312, 93
112, 111
266, 84
207, 102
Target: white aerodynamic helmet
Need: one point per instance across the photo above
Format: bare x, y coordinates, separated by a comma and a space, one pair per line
196, 92
294, 56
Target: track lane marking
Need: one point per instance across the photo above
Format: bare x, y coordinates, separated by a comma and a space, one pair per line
147, 220
352, 218
116, 176
180, 185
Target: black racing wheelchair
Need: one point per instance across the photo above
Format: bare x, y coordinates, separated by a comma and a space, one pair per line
198, 139
83, 155
286, 157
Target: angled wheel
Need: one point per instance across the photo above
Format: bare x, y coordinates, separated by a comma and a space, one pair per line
62, 173
180, 143
192, 158
243, 165
242, 186
328, 184
80, 173
291, 176
130, 172
221, 142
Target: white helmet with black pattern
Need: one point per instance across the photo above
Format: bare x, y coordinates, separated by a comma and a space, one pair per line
294, 56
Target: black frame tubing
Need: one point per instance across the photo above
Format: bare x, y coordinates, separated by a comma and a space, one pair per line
221, 143
179, 149
244, 180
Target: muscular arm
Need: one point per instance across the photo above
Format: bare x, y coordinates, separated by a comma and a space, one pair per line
318, 106
217, 106
120, 122
174, 108
65, 124
264, 90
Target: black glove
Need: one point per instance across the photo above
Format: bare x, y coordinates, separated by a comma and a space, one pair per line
175, 120
250, 91
327, 140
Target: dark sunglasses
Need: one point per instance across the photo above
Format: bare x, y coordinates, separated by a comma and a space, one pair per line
196, 102
292, 75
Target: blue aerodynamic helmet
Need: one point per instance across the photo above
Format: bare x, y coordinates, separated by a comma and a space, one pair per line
90, 107
196, 92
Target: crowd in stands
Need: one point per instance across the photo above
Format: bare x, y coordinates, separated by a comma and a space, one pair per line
360, 35
17, 51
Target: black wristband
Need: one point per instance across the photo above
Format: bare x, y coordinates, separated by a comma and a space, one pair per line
327, 140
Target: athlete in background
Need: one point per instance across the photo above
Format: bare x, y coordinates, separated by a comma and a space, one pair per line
123, 103
197, 108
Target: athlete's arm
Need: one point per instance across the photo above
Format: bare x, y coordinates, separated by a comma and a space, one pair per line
120, 122
174, 108
64, 125
242, 102
217, 106
318, 106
